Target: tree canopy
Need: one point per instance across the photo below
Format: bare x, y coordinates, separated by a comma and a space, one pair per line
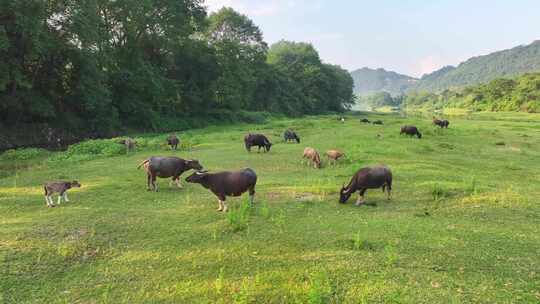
100, 65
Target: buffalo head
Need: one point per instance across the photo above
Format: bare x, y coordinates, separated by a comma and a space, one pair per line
197, 177
193, 164
344, 195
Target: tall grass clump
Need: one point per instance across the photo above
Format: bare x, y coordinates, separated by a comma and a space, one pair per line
238, 218
320, 289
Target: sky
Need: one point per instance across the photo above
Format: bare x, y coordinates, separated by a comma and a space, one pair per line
411, 37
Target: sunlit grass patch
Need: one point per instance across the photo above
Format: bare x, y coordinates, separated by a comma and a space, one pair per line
462, 217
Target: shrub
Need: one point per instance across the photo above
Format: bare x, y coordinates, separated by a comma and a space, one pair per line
253, 117
90, 149
23, 154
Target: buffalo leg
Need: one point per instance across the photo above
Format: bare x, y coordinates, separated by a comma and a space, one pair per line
251, 195
361, 200
154, 184
59, 199
66, 197
389, 190
220, 205
148, 182
177, 178
225, 208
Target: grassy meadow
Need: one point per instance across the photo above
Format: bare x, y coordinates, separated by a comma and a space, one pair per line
463, 225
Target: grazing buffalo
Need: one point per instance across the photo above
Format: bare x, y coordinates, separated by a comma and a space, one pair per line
367, 178
224, 184
411, 131
378, 122
291, 135
60, 187
364, 120
312, 155
334, 155
441, 123
173, 141
166, 167
130, 144
258, 140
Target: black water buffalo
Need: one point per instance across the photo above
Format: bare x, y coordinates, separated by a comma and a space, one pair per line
291, 135
224, 184
258, 140
367, 178
377, 122
165, 167
364, 120
441, 123
173, 141
411, 131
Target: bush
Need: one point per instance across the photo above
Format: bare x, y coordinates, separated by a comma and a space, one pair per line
23, 154
90, 149
253, 117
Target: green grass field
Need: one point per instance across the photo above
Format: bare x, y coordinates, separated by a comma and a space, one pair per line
463, 225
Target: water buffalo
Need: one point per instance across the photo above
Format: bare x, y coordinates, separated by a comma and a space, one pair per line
291, 135
224, 184
173, 141
364, 120
367, 178
166, 167
411, 131
258, 140
441, 123
59, 187
334, 155
312, 155
378, 122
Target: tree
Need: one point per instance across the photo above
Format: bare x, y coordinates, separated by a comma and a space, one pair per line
241, 53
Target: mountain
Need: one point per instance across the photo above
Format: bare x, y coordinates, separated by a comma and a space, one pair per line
482, 69
368, 81
503, 64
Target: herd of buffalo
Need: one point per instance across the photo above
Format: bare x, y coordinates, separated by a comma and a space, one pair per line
235, 183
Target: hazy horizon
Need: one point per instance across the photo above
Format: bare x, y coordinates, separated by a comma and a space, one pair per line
412, 38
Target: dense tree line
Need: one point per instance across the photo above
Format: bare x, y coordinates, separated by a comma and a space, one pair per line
516, 94
102, 65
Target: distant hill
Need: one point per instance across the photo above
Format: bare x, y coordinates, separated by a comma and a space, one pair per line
368, 81
481, 69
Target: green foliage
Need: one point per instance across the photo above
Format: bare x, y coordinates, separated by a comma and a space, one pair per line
518, 94
238, 216
305, 84
96, 67
23, 154
90, 149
